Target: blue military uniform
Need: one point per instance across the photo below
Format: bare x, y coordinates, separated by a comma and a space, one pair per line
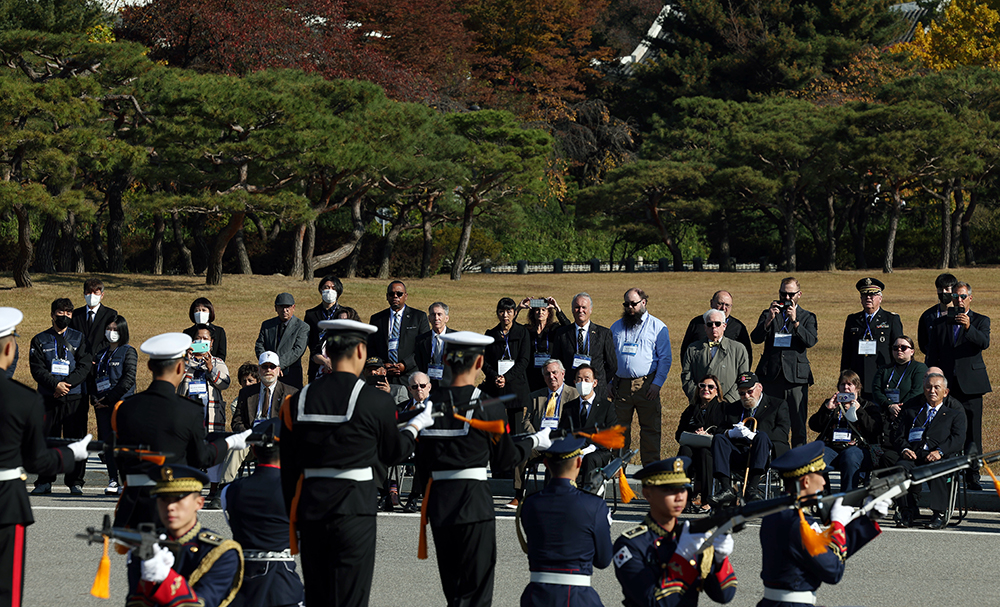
568, 533
790, 573
647, 566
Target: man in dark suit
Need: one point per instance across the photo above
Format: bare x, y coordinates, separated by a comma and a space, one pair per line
396, 339
869, 335
929, 430
330, 290
587, 411
736, 441
287, 336
944, 284
735, 330
585, 343
956, 344
92, 318
787, 331
430, 349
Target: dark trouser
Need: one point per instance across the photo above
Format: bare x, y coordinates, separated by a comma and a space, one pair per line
270, 584
591, 462
724, 452
973, 405
12, 543
850, 462
938, 487
338, 559
106, 433
797, 397
521, 471
135, 506
467, 559
66, 419
701, 468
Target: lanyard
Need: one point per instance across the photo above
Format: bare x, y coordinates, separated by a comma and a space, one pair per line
62, 355
638, 331
868, 324
784, 323
108, 355
903, 374
927, 419
546, 343
506, 348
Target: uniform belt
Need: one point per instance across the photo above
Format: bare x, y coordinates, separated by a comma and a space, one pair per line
467, 474
790, 596
13, 474
566, 579
139, 480
262, 555
346, 474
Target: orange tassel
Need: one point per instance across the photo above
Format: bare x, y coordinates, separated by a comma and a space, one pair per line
147, 456
102, 581
293, 538
626, 492
612, 438
996, 482
493, 427
422, 542
814, 543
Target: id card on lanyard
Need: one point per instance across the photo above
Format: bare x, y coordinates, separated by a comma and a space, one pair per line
59, 366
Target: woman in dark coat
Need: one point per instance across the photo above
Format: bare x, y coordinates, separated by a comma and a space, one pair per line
506, 362
114, 378
847, 424
701, 417
542, 322
202, 312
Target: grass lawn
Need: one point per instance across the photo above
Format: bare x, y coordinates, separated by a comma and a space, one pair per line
157, 304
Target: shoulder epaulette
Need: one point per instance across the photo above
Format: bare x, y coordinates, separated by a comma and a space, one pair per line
210, 538
635, 532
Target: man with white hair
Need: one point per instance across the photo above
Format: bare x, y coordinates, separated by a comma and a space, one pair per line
585, 343
715, 355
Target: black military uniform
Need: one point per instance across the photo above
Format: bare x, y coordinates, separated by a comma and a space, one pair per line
867, 344
333, 433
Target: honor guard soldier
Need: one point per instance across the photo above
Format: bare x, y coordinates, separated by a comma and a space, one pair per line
256, 514
568, 532
333, 433
165, 422
797, 555
869, 335
206, 570
22, 450
653, 562
453, 456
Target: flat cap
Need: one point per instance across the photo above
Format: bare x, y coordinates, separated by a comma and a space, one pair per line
284, 299
670, 471
565, 448
166, 346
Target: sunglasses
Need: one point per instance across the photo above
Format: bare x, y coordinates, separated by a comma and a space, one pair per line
714, 323
959, 295
396, 293
901, 348
418, 386
788, 295
707, 387
268, 367
631, 304
745, 392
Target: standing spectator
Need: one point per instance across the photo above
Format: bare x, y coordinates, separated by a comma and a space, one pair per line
787, 330
91, 318
642, 346
542, 325
846, 428
586, 343
60, 364
714, 354
396, 339
114, 379
202, 312
286, 335
431, 350
944, 284
897, 383
735, 330
330, 290
704, 417
869, 335
956, 344
506, 361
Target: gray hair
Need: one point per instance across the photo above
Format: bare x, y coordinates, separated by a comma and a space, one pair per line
707, 316
417, 375
554, 361
584, 294
930, 375
962, 284
438, 304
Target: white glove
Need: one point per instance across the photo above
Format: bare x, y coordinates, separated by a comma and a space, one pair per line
737, 430
79, 448
749, 435
156, 568
881, 506
851, 413
588, 449
689, 543
723, 545
840, 513
238, 442
424, 419
541, 440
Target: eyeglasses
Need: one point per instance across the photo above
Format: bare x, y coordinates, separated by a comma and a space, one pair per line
901, 348
745, 392
396, 293
418, 386
707, 387
631, 304
714, 323
787, 295
268, 367
959, 295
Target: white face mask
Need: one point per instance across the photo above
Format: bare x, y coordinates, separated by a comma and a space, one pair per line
329, 296
201, 318
584, 387
92, 299
112, 336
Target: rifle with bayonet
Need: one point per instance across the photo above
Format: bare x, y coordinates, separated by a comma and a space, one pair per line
610, 437
140, 540
140, 452
448, 409
598, 477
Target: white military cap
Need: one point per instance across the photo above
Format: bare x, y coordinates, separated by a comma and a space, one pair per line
9, 319
466, 340
167, 346
343, 326
269, 357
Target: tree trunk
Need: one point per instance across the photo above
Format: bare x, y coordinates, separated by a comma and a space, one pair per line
241, 253
890, 241
389, 245
425, 260
956, 226
185, 252
725, 259
463, 240
201, 253
859, 227
790, 237
309, 270
357, 219
47, 246
970, 257
159, 226
300, 235
945, 260
97, 242
831, 234
116, 220
25, 251
213, 274
71, 253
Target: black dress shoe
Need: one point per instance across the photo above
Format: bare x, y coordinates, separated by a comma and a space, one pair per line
936, 522
411, 505
903, 518
753, 494
973, 485
724, 498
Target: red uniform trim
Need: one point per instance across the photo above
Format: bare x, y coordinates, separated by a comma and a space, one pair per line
18, 576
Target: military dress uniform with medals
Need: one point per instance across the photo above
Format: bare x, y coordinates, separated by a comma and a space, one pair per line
207, 570
647, 564
867, 344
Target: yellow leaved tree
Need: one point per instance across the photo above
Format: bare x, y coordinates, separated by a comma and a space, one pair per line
968, 34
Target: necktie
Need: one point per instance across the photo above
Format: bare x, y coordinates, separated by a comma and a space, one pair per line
90, 319
930, 416
582, 414
713, 344
394, 335
579, 341
281, 333
436, 350
550, 407
954, 335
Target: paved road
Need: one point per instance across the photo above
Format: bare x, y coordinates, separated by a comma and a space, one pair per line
901, 567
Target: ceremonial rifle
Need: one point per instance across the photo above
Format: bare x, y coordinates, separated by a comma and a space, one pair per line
140, 452
141, 540
599, 476
448, 409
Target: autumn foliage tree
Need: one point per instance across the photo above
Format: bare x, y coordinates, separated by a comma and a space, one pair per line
967, 34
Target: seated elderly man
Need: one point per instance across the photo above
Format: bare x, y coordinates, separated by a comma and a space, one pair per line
740, 439
715, 355
930, 428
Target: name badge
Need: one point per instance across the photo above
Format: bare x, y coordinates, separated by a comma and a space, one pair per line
580, 359
916, 435
630, 349
435, 371
60, 367
103, 385
197, 387
841, 436
866, 347
394, 344
893, 396
550, 423
782, 340
504, 365
541, 358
